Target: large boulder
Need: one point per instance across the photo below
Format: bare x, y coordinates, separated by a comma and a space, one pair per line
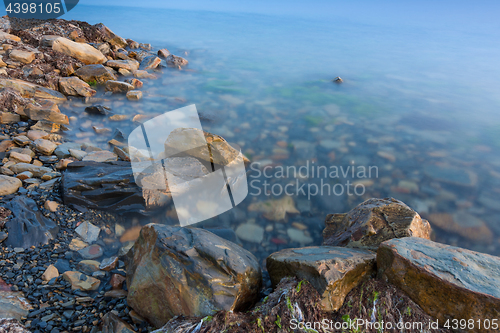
332, 271
84, 52
373, 222
447, 282
187, 271
28, 227
95, 73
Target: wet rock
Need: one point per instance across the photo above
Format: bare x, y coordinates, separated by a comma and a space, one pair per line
130, 65
163, 53
136, 83
109, 264
99, 110
95, 73
150, 62
9, 185
37, 171
22, 140
9, 118
372, 222
91, 252
464, 224
275, 210
338, 79
88, 232
451, 175
81, 281
74, 86
37, 113
45, 147
19, 158
432, 274
298, 236
62, 151
111, 323
31, 90
26, 57
145, 46
332, 271
11, 326
50, 273
118, 86
110, 37
77, 153
24, 175
100, 156
134, 95
88, 266
176, 61
180, 271
250, 232
77, 244
81, 51
116, 281
13, 305
141, 74
28, 227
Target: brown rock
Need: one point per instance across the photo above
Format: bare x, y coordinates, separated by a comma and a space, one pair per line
464, 224
110, 37
111, 323
109, 264
50, 273
9, 118
81, 281
24, 175
37, 171
136, 83
45, 147
187, 271
100, 156
74, 86
176, 61
142, 74
63, 164
36, 134
332, 271
447, 282
9, 185
118, 86
134, 95
130, 65
131, 235
95, 74
31, 90
81, 51
26, 57
51, 205
19, 158
4, 36
150, 62
373, 222
5, 145
163, 53
116, 281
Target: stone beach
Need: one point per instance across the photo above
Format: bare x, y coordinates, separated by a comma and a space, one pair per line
83, 248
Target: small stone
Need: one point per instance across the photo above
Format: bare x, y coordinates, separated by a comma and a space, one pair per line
136, 83
50, 175
9, 185
74, 86
142, 74
24, 175
19, 158
129, 65
77, 244
9, 118
50, 273
99, 110
118, 86
299, 236
26, 57
88, 266
91, 252
81, 281
163, 53
45, 147
388, 156
338, 79
118, 117
176, 61
119, 230
101, 156
250, 232
22, 140
88, 232
134, 95
77, 153
150, 62
116, 281
63, 164
51, 205
109, 264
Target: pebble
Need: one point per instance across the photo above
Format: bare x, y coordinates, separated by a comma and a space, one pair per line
77, 244
50, 273
19, 158
101, 156
298, 236
109, 264
250, 232
91, 252
134, 95
88, 232
51, 206
45, 147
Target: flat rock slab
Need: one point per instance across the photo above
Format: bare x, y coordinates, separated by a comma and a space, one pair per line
31, 90
81, 51
446, 281
373, 222
188, 271
13, 305
332, 271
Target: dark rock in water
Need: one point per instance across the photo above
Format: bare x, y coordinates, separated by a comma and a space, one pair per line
95, 73
373, 222
28, 227
188, 271
433, 274
100, 110
175, 61
62, 265
105, 186
338, 79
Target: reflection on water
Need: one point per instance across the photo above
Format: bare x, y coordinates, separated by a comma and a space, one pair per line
412, 106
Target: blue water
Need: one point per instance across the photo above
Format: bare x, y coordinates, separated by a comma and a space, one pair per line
421, 81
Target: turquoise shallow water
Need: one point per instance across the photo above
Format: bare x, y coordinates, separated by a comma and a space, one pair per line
419, 102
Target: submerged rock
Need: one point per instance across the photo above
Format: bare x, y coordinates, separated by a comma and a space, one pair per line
176, 61
95, 74
28, 227
187, 271
373, 222
332, 271
74, 86
447, 282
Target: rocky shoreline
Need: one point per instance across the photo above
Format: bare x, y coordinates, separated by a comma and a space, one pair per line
67, 264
